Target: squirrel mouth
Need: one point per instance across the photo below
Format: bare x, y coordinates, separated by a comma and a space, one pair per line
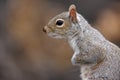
54, 35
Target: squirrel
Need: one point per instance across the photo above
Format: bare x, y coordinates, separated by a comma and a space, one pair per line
98, 58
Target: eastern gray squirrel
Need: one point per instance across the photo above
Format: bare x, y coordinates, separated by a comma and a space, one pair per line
98, 58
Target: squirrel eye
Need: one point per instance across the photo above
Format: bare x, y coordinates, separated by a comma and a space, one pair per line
59, 22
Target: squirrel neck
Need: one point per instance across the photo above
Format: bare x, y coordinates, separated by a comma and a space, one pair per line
84, 34
81, 27
85, 31
79, 35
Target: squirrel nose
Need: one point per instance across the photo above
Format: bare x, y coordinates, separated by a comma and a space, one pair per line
44, 30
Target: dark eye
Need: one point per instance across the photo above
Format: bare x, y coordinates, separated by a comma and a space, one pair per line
59, 22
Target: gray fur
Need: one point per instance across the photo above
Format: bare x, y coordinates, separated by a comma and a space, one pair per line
90, 48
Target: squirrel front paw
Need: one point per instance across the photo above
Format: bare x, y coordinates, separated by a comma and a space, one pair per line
75, 60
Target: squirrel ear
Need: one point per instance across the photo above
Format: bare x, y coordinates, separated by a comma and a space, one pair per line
72, 13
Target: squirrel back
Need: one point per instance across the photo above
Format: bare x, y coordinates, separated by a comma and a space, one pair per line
98, 58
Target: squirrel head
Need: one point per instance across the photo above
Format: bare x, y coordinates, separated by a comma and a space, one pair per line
63, 25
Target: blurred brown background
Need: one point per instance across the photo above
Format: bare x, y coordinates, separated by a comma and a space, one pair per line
26, 53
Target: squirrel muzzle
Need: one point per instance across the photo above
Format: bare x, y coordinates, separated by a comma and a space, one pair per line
47, 29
